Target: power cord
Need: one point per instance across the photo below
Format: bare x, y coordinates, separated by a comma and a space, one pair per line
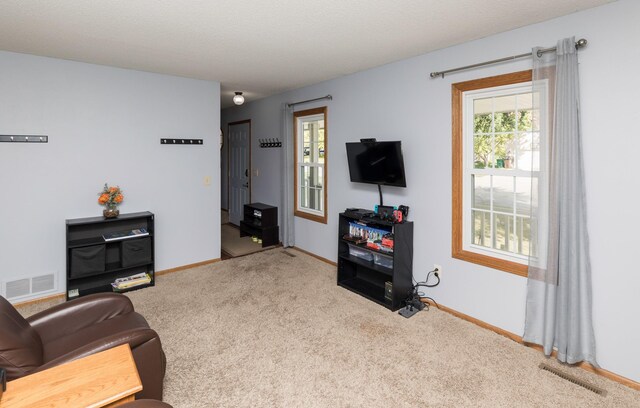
415, 296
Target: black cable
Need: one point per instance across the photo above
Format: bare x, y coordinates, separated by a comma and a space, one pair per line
415, 295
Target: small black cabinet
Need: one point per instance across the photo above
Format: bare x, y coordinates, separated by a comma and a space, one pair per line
261, 220
93, 263
384, 278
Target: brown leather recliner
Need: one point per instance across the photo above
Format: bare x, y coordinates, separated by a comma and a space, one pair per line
76, 329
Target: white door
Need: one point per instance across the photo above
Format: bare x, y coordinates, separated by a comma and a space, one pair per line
239, 169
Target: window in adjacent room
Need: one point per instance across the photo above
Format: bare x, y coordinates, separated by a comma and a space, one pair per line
310, 180
496, 145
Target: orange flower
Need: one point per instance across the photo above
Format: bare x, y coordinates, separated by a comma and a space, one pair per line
103, 199
119, 198
113, 189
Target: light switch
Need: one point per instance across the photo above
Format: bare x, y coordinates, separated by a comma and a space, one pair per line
207, 180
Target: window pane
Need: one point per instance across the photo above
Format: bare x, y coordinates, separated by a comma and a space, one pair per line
304, 176
524, 154
316, 198
311, 189
312, 198
505, 113
482, 147
523, 232
503, 193
501, 231
512, 239
306, 153
523, 195
481, 192
311, 176
304, 197
482, 114
525, 120
481, 228
505, 148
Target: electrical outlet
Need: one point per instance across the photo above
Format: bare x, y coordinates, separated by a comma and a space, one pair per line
438, 268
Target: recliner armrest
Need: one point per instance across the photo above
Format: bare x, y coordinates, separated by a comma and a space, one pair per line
79, 313
134, 338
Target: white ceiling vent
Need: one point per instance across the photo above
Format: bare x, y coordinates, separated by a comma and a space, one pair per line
29, 287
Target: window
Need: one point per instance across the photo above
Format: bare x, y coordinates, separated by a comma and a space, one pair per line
310, 180
496, 145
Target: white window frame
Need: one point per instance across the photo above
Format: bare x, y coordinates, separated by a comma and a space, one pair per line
469, 169
304, 212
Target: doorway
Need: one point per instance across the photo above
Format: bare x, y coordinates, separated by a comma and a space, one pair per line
238, 191
239, 169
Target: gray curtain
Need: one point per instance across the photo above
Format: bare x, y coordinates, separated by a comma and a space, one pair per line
288, 232
558, 312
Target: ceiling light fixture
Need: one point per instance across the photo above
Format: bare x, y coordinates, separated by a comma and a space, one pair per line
238, 99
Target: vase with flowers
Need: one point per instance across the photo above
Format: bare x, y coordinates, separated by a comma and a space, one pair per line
111, 198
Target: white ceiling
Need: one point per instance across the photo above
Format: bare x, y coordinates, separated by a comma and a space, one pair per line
259, 47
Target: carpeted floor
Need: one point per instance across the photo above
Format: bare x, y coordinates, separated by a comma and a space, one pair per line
271, 330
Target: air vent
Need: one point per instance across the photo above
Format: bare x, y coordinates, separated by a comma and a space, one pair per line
42, 283
18, 288
573, 379
28, 287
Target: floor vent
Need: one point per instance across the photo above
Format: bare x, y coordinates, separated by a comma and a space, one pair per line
289, 253
573, 379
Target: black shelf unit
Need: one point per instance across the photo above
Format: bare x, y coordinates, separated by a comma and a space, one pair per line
369, 279
93, 263
261, 220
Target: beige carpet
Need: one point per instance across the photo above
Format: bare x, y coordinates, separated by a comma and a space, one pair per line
233, 245
270, 330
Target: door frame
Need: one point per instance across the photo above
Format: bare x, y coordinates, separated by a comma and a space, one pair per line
228, 141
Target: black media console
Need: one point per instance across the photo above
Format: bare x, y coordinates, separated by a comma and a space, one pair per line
386, 278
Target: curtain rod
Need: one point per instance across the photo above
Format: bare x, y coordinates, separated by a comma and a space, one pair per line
579, 44
310, 100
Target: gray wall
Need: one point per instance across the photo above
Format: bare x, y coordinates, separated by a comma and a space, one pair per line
104, 125
400, 102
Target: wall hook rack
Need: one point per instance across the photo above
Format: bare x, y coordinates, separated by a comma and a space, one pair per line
264, 143
181, 141
24, 138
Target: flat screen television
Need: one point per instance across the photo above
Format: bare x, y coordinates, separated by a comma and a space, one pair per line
378, 163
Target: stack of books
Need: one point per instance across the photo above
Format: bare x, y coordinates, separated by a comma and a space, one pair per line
131, 282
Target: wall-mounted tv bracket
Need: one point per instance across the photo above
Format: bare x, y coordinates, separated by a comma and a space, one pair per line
264, 143
24, 138
181, 141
